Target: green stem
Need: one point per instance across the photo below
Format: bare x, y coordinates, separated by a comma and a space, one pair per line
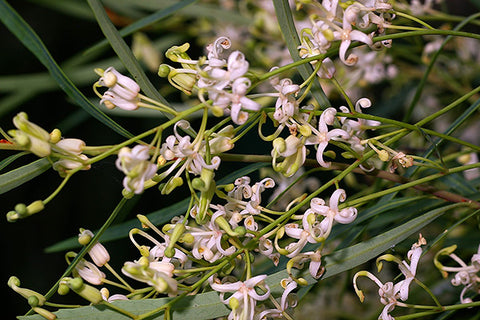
85, 249
437, 310
59, 188
413, 18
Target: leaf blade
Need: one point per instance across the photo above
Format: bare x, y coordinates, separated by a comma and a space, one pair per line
20, 28
19, 176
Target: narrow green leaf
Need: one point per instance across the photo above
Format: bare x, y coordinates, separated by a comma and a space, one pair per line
73, 8
199, 307
15, 23
5, 162
124, 52
353, 256
144, 22
19, 176
285, 20
14, 100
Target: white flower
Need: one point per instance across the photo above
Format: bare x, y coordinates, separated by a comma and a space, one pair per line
134, 163
158, 274
98, 253
409, 270
107, 297
347, 35
332, 212
322, 136
72, 148
286, 301
180, 148
286, 105
208, 240
465, 275
308, 233
387, 292
239, 101
89, 272
245, 296
122, 91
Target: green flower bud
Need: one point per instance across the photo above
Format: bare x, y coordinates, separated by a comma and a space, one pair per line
279, 145
127, 194
86, 291
229, 187
173, 183
187, 238
198, 184
241, 231
164, 70
33, 301
176, 52
63, 289
35, 207
174, 237
223, 224
21, 122
21, 209
217, 111
45, 313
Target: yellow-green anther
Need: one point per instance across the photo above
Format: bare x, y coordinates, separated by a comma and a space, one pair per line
55, 135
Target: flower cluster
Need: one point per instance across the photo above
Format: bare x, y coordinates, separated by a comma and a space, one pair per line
220, 76
326, 27
466, 275
391, 293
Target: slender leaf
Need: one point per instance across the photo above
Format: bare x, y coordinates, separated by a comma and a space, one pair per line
353, 256
73, 8
19, 176
285, 20
5, 162
15, 99
124, 52
15, 23
144, 22
199, 307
